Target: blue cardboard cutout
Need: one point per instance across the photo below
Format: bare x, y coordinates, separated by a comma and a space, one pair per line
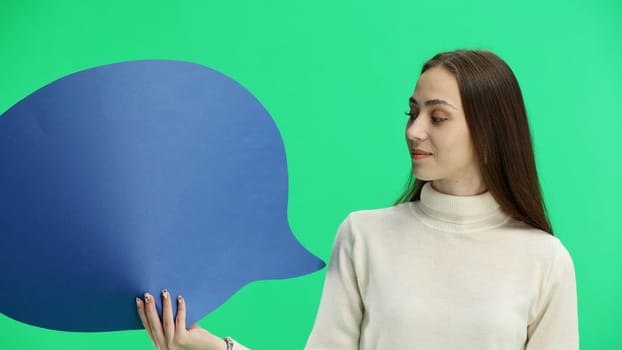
134, 177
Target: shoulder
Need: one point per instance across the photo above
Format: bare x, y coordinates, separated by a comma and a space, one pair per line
551, 267
544, 249
391, 216
375, 225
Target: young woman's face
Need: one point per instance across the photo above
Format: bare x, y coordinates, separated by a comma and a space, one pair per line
437, 133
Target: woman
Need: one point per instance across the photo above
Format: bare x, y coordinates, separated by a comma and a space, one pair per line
466, 260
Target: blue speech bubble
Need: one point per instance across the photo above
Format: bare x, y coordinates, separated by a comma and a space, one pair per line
134, 177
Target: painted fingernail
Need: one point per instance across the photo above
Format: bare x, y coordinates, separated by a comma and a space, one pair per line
180, 299
147, 297
164, 294
137, 301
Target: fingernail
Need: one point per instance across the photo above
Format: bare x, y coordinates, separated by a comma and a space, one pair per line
137, 301
180, 299
147, 297
164, 294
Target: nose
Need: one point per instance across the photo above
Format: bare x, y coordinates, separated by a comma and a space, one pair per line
416, 130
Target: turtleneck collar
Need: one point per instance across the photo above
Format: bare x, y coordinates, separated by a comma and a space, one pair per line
458, 213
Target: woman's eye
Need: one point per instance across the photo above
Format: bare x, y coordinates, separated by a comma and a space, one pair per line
437, 120
411, 115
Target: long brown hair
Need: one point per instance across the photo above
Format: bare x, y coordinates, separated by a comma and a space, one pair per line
497, 120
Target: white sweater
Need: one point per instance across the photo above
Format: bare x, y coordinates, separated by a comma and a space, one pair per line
446, 273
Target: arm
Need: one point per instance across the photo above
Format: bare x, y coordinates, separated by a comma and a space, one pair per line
338, 321
555, 325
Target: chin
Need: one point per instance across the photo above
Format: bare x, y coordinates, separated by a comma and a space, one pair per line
422, 175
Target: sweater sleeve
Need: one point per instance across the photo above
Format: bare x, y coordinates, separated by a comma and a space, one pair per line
555, 325
338, 321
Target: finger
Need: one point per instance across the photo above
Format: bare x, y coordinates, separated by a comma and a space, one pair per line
167, 317
140, 306
154, 322
180, 323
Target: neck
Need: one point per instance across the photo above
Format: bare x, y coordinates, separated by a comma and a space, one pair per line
458, 213
460, 188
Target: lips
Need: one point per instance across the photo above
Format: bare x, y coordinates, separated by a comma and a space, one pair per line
419, 154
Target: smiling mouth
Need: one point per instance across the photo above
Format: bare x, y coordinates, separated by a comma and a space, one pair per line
419, 154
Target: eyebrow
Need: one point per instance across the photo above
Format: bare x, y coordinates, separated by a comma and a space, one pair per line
433, 102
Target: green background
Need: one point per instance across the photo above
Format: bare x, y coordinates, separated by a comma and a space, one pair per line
335, 76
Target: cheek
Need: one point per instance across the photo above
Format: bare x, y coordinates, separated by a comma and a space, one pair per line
457, 150
467, 155
467, 146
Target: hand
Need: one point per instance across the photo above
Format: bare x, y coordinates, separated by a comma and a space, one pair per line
173, 335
